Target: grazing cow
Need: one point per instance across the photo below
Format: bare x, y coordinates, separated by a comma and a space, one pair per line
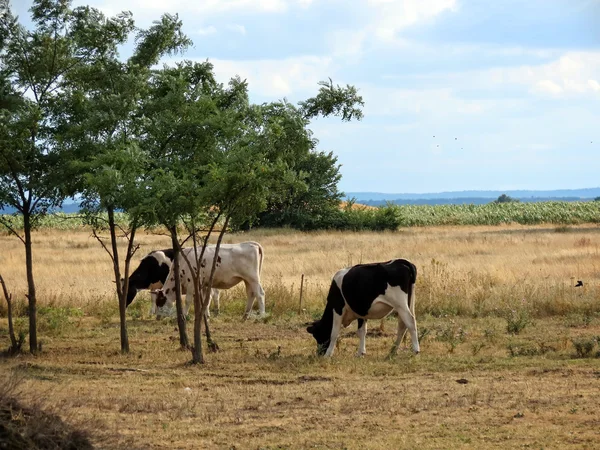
152, 273
235, 263
368, 291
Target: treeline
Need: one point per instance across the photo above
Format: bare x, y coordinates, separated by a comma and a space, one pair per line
393, 217
169, 146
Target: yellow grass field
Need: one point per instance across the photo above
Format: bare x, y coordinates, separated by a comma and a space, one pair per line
266, 389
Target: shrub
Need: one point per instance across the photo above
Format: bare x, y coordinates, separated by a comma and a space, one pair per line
517, 320
584, 346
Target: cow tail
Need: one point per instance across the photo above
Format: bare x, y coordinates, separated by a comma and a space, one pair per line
260, 258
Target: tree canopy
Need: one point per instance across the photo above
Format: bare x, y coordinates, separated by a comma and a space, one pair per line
167, 144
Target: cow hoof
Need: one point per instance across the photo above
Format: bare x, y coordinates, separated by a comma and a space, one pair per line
360, 355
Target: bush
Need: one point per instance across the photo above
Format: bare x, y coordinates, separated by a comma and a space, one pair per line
517, 320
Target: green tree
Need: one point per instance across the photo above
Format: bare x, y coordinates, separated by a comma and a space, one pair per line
506, 199
34, 67
101, 123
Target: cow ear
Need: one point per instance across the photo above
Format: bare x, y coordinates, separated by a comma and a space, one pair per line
310, 328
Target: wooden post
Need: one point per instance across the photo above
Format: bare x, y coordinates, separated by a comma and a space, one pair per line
301, 292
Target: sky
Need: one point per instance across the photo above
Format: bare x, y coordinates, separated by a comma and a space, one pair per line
459, 94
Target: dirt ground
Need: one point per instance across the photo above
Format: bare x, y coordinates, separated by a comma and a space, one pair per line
266, 389
474, 385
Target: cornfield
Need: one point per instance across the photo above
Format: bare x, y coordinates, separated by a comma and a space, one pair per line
558, 213
555, 212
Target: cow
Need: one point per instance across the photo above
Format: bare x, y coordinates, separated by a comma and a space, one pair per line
235, 263
152, 273
368, 291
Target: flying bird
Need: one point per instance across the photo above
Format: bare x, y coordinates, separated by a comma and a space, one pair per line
579, 283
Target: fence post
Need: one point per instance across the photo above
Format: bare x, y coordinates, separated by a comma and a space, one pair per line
301, 292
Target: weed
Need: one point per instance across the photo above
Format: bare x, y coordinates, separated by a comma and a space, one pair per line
452, 334
517, 320
476, 347
522, 349
584, 346
56, 320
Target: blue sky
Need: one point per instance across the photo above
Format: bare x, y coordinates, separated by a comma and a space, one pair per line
510, 89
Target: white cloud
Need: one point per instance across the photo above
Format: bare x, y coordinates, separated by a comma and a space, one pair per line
547, 86
206, 31
273, 79
206, 7
393, 16
384, 19
236, 28
569, 74
573, 73
431, 104
594, 85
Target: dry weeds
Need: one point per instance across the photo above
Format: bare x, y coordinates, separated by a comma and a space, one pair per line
266, 389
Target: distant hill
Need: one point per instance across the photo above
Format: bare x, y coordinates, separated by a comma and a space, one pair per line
66, 208
472, 197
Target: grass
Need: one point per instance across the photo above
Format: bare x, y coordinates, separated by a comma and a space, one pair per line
534, 388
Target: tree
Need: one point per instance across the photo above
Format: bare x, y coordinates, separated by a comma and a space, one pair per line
101, 122
34, 67
506, 199
220, 159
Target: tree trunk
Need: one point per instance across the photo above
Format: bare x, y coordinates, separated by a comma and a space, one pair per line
120, 293
183, 338
33, 343
15, 346
201, 301
197, 353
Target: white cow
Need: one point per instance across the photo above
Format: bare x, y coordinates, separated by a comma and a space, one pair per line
235, 263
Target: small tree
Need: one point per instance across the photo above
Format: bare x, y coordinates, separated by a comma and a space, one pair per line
506, 199
113, 183
100, 126
35, 65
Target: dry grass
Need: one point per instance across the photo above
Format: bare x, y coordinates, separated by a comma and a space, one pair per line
266, 389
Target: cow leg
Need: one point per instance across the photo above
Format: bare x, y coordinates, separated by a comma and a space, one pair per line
209, 299
406, 317
400, 336
362, 334
335, 331
189, 299
260, 293
254, 291
249, 302
215, 297
152, 304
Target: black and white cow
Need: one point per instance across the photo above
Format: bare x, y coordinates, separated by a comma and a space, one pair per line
235, 263
368, 291
152, 273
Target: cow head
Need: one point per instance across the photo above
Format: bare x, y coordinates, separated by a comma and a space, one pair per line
321, 334
160, 297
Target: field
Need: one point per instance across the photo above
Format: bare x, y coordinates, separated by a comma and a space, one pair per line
509, 358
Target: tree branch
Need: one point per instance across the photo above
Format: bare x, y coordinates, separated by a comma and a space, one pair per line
11, 229
99, 239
